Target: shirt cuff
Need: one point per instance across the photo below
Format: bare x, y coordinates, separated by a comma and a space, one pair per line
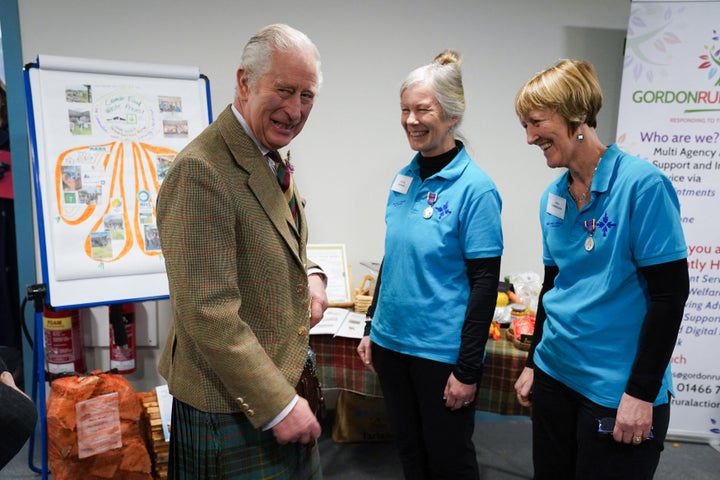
318, 271
281, 416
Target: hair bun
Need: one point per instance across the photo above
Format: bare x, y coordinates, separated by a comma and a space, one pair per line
446, 57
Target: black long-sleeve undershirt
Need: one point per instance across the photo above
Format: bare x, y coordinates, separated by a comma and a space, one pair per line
483, 274
669, 287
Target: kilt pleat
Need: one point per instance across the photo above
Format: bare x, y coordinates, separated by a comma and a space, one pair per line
212, 446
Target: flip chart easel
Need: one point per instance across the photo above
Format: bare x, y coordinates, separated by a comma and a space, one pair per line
103, 135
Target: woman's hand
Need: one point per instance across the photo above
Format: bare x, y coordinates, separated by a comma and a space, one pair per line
523, 387
633, 420
364, 350
458, 395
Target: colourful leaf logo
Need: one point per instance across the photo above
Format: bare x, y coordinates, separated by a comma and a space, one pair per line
711, 60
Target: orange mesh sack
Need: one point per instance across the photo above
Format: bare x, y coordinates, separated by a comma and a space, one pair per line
106, 411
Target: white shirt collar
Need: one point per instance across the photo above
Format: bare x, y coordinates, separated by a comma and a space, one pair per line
246, 127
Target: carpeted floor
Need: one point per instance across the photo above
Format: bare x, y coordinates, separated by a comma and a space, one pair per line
504, 453
503, 447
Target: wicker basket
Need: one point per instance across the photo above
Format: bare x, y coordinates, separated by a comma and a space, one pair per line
363, 294
510, 335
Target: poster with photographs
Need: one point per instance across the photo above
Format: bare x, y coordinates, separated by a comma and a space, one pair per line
105, 134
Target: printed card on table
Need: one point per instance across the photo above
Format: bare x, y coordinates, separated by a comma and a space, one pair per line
165, 404
340, 322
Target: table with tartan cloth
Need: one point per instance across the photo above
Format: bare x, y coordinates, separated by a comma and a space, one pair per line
340, 367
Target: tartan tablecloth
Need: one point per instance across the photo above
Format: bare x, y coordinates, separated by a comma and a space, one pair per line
340, 367
503, 364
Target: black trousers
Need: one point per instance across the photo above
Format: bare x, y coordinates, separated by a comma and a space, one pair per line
433, 441
567, 445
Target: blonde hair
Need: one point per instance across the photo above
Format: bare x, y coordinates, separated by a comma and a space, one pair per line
444, 77
570, 87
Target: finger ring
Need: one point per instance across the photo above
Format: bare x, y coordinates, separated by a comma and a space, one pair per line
637, 438
466, 403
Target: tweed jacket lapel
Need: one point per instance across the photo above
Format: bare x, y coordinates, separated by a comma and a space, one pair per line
263, 184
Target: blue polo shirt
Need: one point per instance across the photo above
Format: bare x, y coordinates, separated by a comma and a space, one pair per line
424, 290
596, 310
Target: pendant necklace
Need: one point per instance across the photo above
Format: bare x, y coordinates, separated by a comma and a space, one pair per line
584, 195
431, 199
581, 198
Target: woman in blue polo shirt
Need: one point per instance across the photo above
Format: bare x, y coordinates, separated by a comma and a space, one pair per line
615, 286
436, 291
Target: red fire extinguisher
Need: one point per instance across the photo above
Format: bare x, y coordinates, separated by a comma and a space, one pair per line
64, 352
122, 337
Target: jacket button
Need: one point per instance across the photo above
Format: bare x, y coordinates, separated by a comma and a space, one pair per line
250, 412
300, 288
302, 330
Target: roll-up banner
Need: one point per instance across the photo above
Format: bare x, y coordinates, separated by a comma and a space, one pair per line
670, 115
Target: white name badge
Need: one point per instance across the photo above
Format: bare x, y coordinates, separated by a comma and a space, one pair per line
401, 184
556, 205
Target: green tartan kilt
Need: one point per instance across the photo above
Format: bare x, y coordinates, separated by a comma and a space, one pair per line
212, 446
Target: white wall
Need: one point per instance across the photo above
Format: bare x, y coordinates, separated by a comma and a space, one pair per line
353, 143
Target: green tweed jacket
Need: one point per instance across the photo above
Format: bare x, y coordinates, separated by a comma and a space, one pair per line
237, 270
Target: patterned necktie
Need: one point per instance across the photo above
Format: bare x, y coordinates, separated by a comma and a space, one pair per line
284, 177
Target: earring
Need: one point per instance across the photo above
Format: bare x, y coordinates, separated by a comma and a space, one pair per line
580, 137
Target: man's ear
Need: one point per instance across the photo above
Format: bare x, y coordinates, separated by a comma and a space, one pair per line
243, 88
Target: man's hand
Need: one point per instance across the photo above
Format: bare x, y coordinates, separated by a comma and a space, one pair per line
318, 298
300, 425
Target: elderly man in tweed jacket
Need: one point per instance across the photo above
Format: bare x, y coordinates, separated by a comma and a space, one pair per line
242, 293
